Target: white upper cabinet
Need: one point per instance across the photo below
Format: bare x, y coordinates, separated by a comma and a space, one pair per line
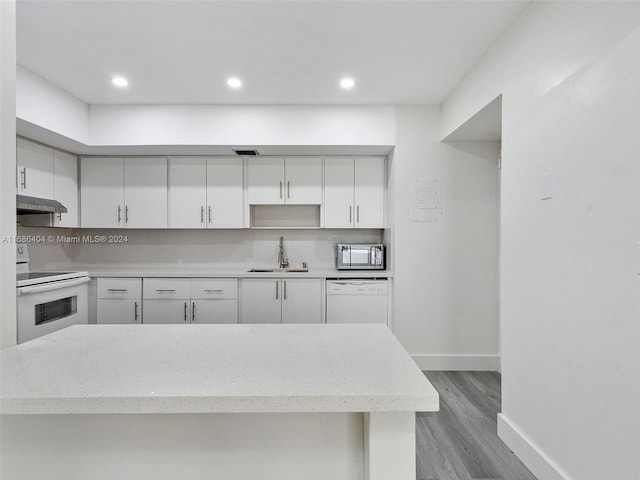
266, 181
145, 192
338, 192
303, 181
130, 193
280, 181
225, 198
369, 192
47, 173
102, 192
35, 169
187, 192
65, 188
205, 192
354, 194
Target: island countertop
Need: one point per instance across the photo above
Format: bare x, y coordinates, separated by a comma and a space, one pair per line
88, 369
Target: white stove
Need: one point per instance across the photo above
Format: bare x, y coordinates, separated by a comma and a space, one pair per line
48, 301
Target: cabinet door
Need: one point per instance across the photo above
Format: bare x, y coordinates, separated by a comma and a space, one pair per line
261, 300
369, 192
166, 311
225, 203
214, 311
102, 192
145, 192
65, 188
119, 310
266, 181
35, 169
302, 300
303, 181
187, 202
338, 192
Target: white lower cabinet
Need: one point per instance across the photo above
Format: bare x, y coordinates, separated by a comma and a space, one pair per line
281, 300
214, 300
196, 300
261, 301
167, 311
119, 300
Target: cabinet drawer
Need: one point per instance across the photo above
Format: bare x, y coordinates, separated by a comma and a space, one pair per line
166, 288
119, 287
214, 288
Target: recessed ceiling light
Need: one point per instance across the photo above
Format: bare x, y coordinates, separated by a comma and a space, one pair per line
119, 81
234, 82
347, 83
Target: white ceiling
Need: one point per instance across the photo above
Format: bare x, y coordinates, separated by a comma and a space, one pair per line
286, 52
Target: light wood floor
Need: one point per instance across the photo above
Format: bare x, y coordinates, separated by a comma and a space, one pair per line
460, 442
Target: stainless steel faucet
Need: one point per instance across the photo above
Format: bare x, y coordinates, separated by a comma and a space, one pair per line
283, 262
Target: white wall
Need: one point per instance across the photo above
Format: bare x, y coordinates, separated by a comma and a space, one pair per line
194, 249
241, 125
41, 103
446, 272
570, 294
7, 172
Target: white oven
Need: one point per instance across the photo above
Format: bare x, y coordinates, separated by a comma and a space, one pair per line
48, 301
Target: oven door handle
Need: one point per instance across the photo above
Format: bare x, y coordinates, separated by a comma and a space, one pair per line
52, 286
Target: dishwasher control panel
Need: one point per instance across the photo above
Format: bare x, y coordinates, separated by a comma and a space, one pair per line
357, 287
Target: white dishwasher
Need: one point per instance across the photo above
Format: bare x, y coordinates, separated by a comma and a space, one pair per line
357, 301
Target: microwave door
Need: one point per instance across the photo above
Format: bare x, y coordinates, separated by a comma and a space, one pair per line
360, 257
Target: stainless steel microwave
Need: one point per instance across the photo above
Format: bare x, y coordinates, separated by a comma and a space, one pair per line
360, 256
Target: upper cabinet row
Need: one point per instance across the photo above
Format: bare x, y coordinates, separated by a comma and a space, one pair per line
205, 192
199, 192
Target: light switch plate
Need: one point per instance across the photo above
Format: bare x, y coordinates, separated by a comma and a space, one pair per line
546, 186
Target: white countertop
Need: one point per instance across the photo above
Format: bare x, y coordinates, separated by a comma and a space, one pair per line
220, 272
213, 368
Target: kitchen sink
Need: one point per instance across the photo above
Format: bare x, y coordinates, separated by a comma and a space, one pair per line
278, 270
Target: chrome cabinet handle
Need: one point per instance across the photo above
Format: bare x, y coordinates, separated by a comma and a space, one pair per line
23, 174
165, 290
126, 214
284, 290
119, 290
60, 216
288, 189
135, 311
350, 213
210, 214
213, 291
119, 213
201, 214
280, 189
185, 311
358, 214
193, 312
277, 288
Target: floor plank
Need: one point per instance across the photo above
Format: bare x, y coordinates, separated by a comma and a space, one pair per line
460, 441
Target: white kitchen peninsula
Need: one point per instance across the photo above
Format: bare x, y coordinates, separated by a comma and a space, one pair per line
212, 401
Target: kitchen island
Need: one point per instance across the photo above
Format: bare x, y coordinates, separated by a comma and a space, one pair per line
211, 401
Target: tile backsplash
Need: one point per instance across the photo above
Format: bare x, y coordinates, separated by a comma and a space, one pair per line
188, 248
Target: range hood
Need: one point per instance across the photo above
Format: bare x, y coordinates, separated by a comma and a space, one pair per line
29, 205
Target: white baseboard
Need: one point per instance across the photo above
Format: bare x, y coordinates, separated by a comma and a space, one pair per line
529, 453
458, 362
